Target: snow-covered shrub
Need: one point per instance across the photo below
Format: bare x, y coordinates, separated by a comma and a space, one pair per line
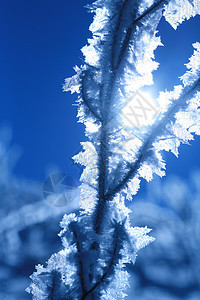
169, 269
28, 225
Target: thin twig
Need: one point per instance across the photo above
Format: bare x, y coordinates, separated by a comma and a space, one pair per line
132, 26
81, 270
108, 270
157, 129
86, 101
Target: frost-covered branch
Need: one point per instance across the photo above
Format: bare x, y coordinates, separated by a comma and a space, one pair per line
157, 130
118, 63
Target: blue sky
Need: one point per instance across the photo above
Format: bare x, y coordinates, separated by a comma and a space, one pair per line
40, 44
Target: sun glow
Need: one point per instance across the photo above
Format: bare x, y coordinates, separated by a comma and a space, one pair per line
140, 110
